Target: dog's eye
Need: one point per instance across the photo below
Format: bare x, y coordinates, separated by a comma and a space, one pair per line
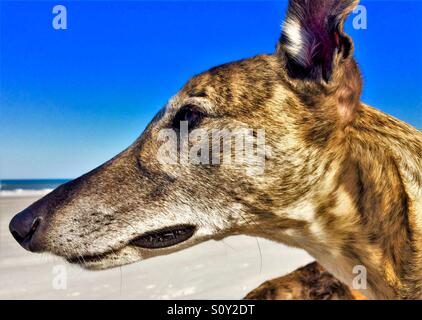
189, 114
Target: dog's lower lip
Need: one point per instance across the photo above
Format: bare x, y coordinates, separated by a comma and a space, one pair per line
158, 239
164, 238
86, 259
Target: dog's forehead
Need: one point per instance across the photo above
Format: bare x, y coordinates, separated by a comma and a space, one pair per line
230, 86
204, 90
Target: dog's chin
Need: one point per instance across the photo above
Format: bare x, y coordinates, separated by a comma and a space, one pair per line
150, 244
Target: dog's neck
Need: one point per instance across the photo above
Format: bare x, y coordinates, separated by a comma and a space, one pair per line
358, 217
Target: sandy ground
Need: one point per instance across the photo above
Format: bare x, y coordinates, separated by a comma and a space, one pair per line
213, 270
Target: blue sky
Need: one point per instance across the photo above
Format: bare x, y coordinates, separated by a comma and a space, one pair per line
71, 99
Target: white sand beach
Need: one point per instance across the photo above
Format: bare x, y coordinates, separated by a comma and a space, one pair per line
214, 270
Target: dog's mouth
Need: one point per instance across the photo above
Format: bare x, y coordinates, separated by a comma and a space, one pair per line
158, 239
164, 238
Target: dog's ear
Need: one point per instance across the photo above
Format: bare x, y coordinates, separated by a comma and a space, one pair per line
313, 37
316, 52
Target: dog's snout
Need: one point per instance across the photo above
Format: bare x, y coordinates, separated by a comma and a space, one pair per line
24, 227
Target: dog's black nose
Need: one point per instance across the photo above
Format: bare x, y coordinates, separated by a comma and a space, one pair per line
24, 227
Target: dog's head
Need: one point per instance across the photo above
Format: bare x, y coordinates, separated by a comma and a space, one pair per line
235, 151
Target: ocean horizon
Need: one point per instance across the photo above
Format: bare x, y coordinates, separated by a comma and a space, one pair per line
28, 187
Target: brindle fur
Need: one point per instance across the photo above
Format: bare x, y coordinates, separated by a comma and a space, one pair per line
311, 282
342, 180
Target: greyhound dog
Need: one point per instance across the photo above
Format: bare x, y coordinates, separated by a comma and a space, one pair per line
341, 179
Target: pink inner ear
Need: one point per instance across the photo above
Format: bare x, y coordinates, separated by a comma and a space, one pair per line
321, 34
